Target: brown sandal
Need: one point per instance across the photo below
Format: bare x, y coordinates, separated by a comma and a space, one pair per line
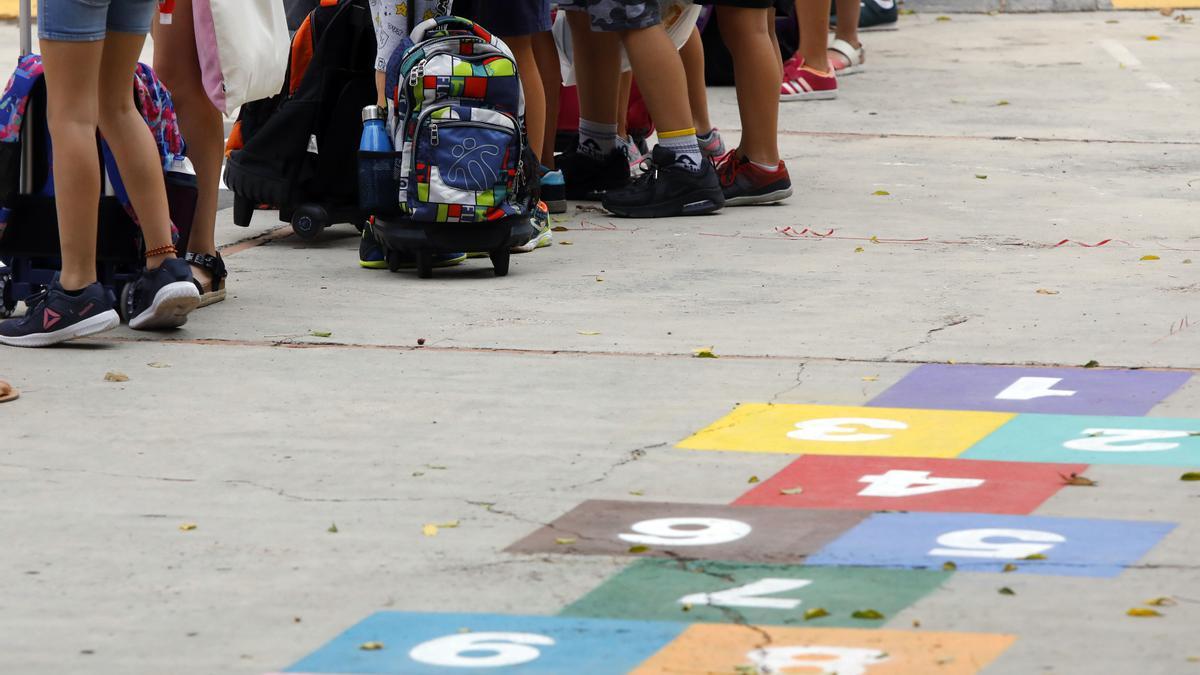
8, 392
216, 268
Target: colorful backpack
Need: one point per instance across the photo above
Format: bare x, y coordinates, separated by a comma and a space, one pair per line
459, 125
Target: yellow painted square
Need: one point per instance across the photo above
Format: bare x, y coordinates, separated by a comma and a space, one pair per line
713, 648
846, 430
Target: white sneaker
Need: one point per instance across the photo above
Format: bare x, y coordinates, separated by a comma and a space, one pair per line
544, 237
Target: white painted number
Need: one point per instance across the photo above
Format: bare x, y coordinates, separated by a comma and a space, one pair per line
976, 544
843, 429
686, 531
1029, 388
826, 660
747, 596
481, 650
1102, 440
898, 483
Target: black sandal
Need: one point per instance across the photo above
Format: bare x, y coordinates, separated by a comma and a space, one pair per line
216, 268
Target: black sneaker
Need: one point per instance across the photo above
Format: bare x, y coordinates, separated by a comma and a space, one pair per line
160, 298
52, 316
588, 178
667, 189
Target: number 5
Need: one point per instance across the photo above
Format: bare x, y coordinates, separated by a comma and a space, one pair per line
480, 650
1102, 440
975, 544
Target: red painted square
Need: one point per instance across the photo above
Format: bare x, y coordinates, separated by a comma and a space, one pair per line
900, 484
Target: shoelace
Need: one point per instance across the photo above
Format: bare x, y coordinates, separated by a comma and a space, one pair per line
728, 171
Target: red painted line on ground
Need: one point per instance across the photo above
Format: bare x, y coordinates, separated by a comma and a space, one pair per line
275, 234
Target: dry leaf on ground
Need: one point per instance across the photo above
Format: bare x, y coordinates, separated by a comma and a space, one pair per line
332, 528
1190, 476
565, 541
791, 491
158, 364
1009, 567
114, 376
639, 549
187, 527
588, 332
866, 614
1034, 556
371, 646
1149, 257
704, 353
880, 193
429, 530
1046, 291
1006, 591
815, 613
949, 566
1142, 611
320, 333
1076, 479
1161, 602
753, 479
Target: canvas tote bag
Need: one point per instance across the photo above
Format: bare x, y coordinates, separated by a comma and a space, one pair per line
243, 47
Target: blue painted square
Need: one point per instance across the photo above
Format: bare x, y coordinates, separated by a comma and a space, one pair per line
978, 542
416, 644
1158, 441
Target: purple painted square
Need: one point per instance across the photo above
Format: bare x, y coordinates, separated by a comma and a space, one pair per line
1072, 391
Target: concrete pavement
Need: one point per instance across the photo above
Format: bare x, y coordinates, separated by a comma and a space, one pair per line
997, 138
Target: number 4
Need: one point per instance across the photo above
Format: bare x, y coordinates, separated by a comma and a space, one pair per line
747, 596
899, 483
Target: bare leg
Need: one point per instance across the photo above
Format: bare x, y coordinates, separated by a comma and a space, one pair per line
813, 16
624, 91
202, 125
131, 142
531, 82
757, 74
73, 112
693, 64
546, 55
847, 25
660, 75
597, 74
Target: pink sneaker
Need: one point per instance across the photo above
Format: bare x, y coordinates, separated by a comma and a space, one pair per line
802, 84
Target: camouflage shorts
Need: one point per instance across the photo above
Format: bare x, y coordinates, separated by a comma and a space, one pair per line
617, 15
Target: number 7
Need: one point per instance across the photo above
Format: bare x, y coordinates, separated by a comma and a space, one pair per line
747, 595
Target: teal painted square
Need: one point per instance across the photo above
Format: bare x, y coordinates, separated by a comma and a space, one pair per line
725, 592
1157, 441
429, 644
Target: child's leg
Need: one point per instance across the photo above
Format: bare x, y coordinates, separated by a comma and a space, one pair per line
531, 82
177, 64
132, 143
693, 65
756, 70
72, 71
661, 78
847, 25
546, 55
596, 76
813, 16
624, 91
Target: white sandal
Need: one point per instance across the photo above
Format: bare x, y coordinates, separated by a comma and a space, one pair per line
854, 57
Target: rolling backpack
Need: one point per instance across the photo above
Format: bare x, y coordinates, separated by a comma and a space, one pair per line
459, 126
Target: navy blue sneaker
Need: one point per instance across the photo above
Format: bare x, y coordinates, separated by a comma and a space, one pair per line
370, 253
53, 316
160, 298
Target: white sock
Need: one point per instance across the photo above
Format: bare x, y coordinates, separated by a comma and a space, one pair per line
766, 167
596, 140
685, 146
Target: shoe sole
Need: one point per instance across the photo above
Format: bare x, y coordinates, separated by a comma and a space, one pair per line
809, 96
170, 308
211, 298
100, 323
693, 205
851, 70
373, 264
767, 198
543, 240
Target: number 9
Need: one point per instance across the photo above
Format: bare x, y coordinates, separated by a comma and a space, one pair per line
506, 649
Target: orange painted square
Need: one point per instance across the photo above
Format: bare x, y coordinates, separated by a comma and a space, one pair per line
713, 648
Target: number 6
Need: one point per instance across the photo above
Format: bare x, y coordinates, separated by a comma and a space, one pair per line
700, 532
975, 544
505, 649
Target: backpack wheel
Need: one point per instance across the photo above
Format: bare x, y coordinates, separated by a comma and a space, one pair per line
500, 258
243, 211
8, 304
309, 220
425, 264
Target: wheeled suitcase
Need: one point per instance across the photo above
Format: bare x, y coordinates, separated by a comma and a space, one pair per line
29, 244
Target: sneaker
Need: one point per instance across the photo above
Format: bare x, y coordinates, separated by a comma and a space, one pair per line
633, 154
53, 316
666, 189
714, 147
745, 183
588, 178
370, 253
554, 191
802, 84
541, 222
160, 298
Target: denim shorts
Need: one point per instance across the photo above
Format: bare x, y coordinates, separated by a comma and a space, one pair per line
90, 20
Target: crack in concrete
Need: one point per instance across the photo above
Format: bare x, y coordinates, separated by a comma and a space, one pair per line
792, 387
60, 469
633, 456
950, 322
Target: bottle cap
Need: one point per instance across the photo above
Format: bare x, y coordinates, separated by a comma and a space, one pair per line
373, 112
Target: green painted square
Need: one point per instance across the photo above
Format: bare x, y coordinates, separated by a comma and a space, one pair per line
725, 592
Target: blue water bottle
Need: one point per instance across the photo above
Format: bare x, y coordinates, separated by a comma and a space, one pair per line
378, 187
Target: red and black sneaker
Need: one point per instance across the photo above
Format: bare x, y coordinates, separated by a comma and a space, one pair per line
54, 316
745, 183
